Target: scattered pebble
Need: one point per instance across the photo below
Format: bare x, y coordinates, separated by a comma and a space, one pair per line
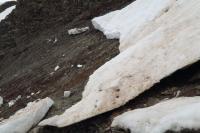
38, 92
178, 93
67, 94
32, 94
28, 97
56, 68
72, 65
51, 73
79, 65
56, 40
76, 31
12, 102
1, 101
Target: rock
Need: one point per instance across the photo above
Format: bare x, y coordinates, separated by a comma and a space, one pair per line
67, 94
1, 101
56, 68
12, 102
79, 65
163, 48
23, 120
171, 115
76, 31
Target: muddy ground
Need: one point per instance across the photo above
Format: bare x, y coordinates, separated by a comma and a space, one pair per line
29, 53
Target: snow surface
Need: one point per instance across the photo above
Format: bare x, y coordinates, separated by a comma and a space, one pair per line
24, 119
174, 115
67, 94
5, 13
165, 48
133, 18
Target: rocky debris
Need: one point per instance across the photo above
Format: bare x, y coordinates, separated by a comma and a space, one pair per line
171, 115
76, 31
23, 120
161, 50
1, 101
67, 94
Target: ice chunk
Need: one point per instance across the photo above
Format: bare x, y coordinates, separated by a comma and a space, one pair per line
174, 115
24, 119
1, 101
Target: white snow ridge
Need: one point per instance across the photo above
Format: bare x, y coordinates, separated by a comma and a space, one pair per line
5, 13
23, 120
159, 48
174, 115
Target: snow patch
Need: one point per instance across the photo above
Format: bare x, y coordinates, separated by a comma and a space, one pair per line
173, 115
5, 13
131, 19
23, 120
1, 101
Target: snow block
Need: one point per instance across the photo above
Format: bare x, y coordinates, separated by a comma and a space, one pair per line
131, 19
23, 120
171, 115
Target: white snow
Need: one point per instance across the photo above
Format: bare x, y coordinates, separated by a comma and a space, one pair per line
163, 48
24, 119
76, 31
5, 13
131, 19
174, 115
1, 101
67, 94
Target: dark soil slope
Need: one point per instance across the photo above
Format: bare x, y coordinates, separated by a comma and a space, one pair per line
34, 40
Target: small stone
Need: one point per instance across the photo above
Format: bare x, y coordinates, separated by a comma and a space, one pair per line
11, 103
1, 101
79, 65
178, 93
56, 68
67, 94
38, 92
